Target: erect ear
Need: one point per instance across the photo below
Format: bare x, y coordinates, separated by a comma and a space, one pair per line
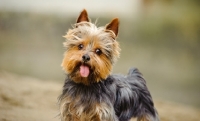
113, 26
83, 17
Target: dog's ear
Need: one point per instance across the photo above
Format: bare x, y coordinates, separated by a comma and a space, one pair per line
83, 17
113, 26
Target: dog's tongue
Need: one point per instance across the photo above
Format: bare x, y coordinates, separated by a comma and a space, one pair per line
84, 71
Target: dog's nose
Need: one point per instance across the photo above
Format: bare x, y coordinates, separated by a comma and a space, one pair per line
86, 58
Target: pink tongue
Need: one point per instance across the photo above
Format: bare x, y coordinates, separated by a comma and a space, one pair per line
84, 71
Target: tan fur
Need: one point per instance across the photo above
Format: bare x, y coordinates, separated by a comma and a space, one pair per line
113, 26
83, 16
92, 38
96, 112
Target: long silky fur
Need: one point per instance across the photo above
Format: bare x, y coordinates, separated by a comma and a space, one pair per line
118, 98
89, 30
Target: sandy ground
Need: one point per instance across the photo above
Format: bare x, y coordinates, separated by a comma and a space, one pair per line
29, 99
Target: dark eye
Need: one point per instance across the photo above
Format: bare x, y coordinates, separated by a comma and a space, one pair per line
98, 51
80, 47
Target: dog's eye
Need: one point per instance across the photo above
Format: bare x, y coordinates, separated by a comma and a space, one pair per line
98, 51
80, 47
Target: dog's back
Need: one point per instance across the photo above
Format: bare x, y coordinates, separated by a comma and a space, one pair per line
133, 98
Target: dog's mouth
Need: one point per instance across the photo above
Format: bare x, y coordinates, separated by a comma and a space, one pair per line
84, 70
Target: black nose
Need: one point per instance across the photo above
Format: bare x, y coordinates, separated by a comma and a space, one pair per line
86, 58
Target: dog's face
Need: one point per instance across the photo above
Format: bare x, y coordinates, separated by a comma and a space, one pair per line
91, 51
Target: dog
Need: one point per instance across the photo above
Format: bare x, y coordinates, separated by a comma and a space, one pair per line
90, 91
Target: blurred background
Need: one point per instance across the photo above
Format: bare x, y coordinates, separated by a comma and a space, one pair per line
159, 37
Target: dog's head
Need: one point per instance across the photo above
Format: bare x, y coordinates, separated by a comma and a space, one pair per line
90, 50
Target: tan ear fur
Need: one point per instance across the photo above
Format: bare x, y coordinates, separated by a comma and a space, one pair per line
83, 17
113, 26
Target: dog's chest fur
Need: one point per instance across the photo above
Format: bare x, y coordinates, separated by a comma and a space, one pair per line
87, 103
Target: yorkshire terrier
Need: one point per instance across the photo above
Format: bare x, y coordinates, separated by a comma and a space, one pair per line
90, 92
